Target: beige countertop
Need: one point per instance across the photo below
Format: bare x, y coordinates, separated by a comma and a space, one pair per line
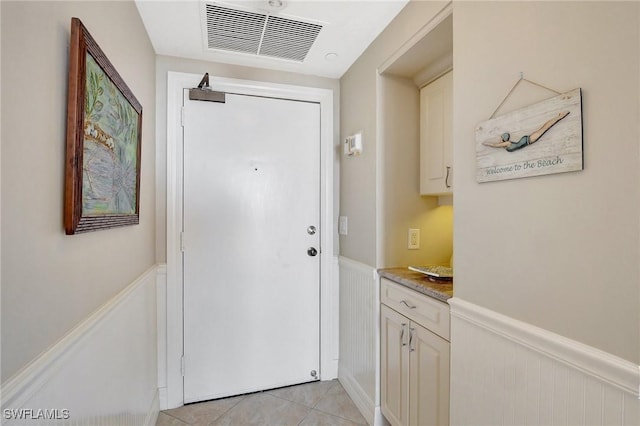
419, 282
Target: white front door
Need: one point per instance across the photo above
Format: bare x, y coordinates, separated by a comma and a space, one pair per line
251, 289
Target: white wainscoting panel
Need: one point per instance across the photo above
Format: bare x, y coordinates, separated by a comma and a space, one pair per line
161, 315
359, 306
507, 372
103, 372
330, 319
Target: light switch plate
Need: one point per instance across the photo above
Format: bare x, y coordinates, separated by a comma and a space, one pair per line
343, 225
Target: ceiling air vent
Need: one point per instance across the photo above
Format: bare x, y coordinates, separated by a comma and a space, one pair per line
259, 33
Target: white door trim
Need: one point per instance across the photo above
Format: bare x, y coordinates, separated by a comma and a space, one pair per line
177, 82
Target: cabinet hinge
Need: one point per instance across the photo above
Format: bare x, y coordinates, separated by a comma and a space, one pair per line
182, 366
182, 241
182, 116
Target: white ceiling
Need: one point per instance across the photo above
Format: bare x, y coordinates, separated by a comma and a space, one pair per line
176, 28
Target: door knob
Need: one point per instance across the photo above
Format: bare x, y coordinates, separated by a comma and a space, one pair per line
311, 251
311, 230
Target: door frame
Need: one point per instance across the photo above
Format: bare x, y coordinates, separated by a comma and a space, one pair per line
173, 353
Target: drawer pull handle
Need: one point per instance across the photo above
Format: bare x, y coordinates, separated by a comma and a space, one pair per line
408, 305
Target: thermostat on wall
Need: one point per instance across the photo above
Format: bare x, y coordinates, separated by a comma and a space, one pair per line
353, 144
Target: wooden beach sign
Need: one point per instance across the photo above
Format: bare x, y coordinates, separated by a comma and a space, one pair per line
540, 139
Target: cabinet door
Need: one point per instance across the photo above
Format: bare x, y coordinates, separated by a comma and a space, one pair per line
429, 378
394, 366
436, 125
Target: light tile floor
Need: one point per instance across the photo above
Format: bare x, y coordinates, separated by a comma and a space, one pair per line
317, 403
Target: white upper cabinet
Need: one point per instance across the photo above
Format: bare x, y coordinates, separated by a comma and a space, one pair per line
436, 123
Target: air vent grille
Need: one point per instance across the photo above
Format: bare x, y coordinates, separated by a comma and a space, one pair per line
286, 38
259, 33
231, 29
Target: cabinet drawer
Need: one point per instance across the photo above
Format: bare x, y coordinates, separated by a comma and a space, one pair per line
430, 313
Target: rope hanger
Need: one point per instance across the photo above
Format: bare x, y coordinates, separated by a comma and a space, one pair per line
514, 88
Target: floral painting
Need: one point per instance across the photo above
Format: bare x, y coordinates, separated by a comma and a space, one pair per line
104, 141
110, 147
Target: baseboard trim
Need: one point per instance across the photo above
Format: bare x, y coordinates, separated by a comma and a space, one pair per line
358, 395
21, 387
154, 410
601, 365
163, 398
379, 419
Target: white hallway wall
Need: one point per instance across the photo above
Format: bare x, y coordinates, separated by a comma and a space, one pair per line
78, 325
103, 372
50, 281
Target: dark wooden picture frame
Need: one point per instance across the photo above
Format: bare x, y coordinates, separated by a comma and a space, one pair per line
103, 147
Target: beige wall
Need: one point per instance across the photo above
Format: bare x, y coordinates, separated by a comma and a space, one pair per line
401, 206
50, 281
560, 251
165, 64
361, 177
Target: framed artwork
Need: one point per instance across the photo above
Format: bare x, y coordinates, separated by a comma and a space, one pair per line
540, 139
103, 147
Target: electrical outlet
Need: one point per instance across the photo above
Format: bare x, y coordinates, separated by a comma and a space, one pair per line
414, 239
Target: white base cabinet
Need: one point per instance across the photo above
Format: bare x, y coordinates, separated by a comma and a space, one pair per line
394, 363
414, 360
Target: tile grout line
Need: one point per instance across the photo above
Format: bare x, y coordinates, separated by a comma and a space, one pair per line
174, 417
327, 392
243, 397
268, 392
339, 416
240, 399
318, 402
324, 394
310, 408
333, 414
287, 400
262, 393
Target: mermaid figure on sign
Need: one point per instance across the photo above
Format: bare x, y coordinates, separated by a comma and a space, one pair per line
511, 146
